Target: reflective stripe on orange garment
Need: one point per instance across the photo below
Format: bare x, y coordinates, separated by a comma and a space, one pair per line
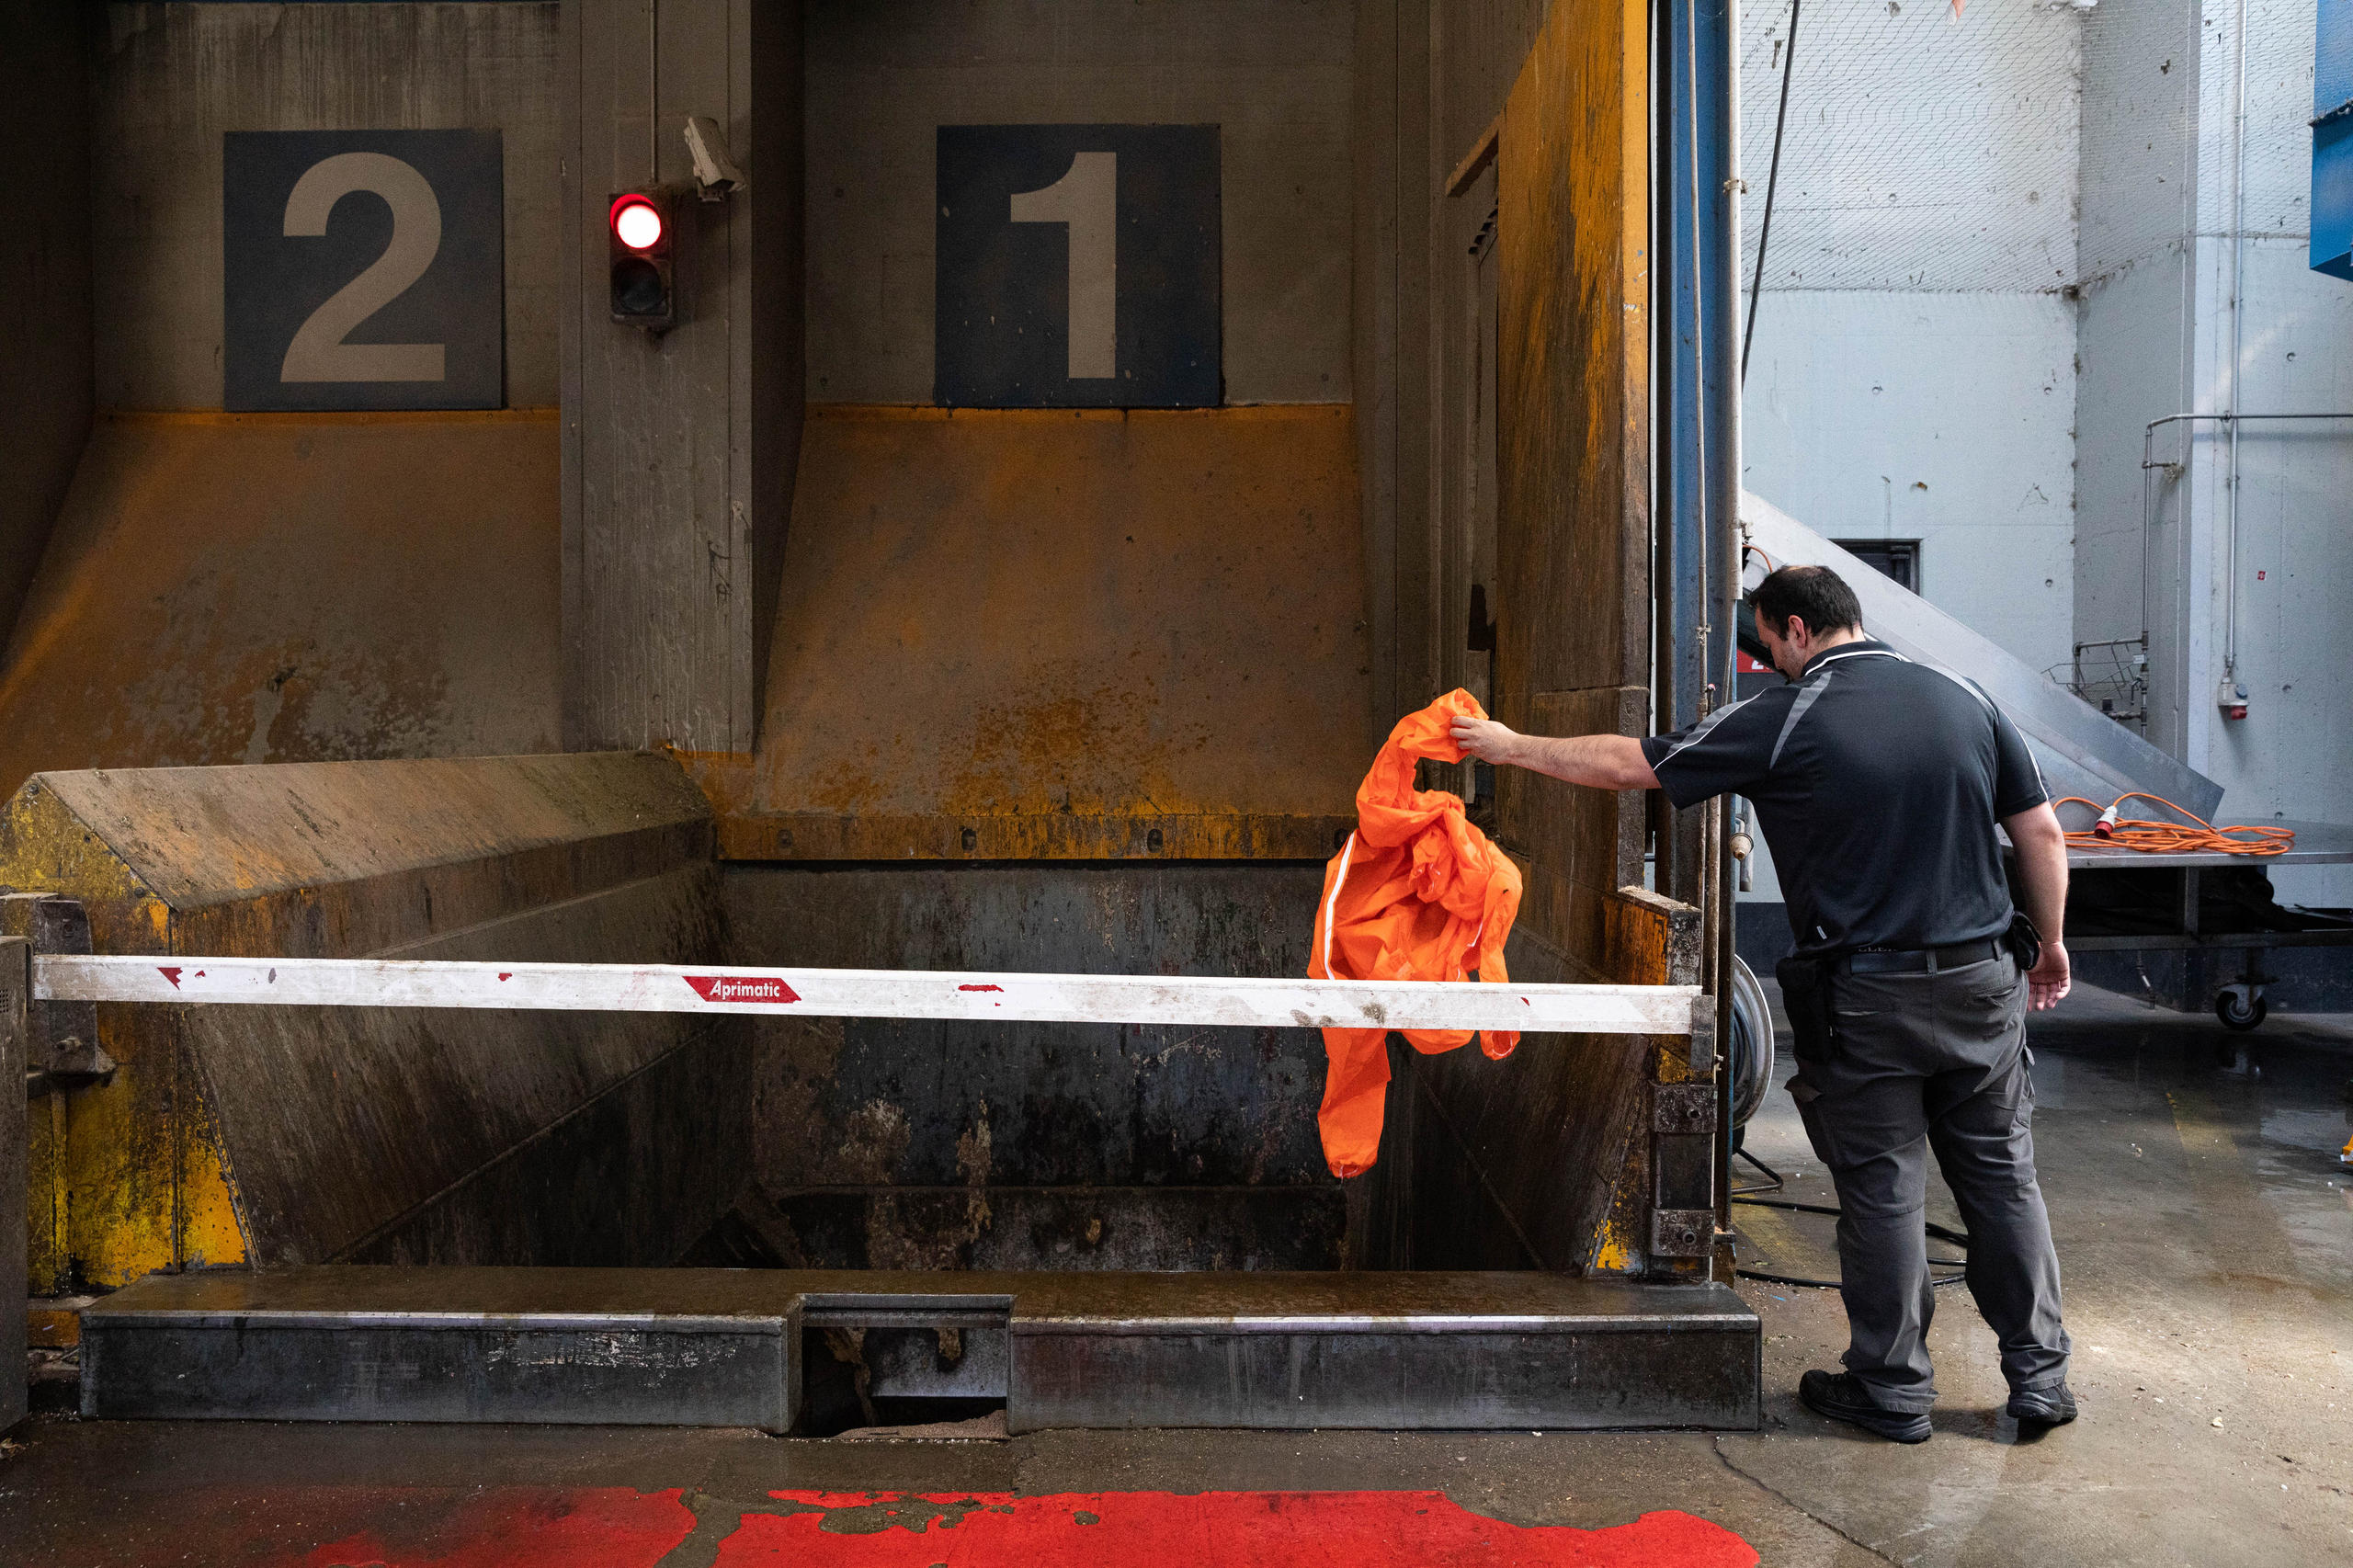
1415, 893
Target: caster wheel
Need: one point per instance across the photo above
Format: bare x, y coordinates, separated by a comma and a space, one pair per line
2239, 1007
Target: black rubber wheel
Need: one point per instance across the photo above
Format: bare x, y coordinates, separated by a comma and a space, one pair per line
2238, 1011
1752, 1047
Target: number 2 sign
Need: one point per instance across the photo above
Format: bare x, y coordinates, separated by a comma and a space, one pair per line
1078, 267
363, 270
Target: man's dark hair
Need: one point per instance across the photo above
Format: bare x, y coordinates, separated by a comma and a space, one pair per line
1815, 595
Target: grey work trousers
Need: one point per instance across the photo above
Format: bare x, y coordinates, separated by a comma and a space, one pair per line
1921, 1061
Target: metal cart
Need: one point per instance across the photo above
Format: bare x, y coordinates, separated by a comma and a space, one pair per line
2122, 901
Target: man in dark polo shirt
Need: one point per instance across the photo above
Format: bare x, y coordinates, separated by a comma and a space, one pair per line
1878, 782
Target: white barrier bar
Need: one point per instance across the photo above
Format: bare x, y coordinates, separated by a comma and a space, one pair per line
867, 993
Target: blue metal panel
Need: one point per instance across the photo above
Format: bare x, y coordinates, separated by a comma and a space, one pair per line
1698, 376
1699, 365
2332, 248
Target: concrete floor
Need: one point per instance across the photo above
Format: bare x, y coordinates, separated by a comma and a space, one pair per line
2204, 1224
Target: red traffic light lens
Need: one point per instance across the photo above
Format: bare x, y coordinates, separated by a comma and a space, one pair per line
637, 222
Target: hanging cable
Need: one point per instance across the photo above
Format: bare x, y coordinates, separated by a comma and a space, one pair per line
1747, 1195
1772, 178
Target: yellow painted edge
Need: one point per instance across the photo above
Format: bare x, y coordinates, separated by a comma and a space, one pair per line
210, 1233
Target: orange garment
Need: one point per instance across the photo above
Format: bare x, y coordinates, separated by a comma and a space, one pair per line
1415, 893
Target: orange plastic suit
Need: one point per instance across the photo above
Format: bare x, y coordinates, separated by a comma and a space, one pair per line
1415, 893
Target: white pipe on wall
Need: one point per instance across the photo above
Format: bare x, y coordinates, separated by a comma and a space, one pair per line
2238, 317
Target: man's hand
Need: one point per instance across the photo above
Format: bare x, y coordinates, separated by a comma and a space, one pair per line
1602, 761
2042, 883
1486, 739
2047, 981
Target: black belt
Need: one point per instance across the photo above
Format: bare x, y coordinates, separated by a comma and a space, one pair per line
1919, 960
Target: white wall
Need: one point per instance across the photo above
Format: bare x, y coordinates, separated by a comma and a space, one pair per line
1926, 322
1944, 417
1912, 373
2161, 242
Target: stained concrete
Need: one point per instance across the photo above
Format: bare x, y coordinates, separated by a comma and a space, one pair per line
169, 80
1274, 79
2206, 1230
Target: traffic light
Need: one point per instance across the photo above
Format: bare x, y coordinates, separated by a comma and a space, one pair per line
639, 230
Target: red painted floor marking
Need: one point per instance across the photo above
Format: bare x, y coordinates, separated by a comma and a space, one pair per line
621, 1527
613, 1527
1213, 1529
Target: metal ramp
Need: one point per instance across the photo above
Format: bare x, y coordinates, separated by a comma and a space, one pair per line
2081, 750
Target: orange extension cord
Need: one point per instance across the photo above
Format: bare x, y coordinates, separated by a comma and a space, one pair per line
2157, 838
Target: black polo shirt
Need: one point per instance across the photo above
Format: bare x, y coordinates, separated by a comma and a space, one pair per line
1878, 782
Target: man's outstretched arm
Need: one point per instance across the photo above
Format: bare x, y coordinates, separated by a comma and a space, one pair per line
1604, 762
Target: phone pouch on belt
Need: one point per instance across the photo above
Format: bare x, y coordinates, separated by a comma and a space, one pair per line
2024, 941
1805, 995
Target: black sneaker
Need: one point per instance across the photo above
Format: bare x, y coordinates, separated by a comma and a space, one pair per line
1841, 1398
2052, 1406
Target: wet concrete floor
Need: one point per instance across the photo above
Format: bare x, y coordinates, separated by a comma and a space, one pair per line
2205, 1228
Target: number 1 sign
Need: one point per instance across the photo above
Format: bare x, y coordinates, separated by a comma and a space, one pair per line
1077, 266
363, 270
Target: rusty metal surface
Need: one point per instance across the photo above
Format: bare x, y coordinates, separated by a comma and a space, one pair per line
15, 994
1545, 1159
894, 1142
205, 836
1095, 1226
288, 1133
1094, 1349
46, 336
227, 588
1061, 634
1572, 546
1357, 1301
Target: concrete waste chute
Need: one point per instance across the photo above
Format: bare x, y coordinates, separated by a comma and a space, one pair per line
1043, 688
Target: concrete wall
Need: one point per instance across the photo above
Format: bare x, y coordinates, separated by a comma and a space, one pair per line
45, 383
1942, 417
226, 588
1912, 370
2140, 187
884, 76
240, 588
2000, 394
680, 447
1062, 635
2163, 235
170, 79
